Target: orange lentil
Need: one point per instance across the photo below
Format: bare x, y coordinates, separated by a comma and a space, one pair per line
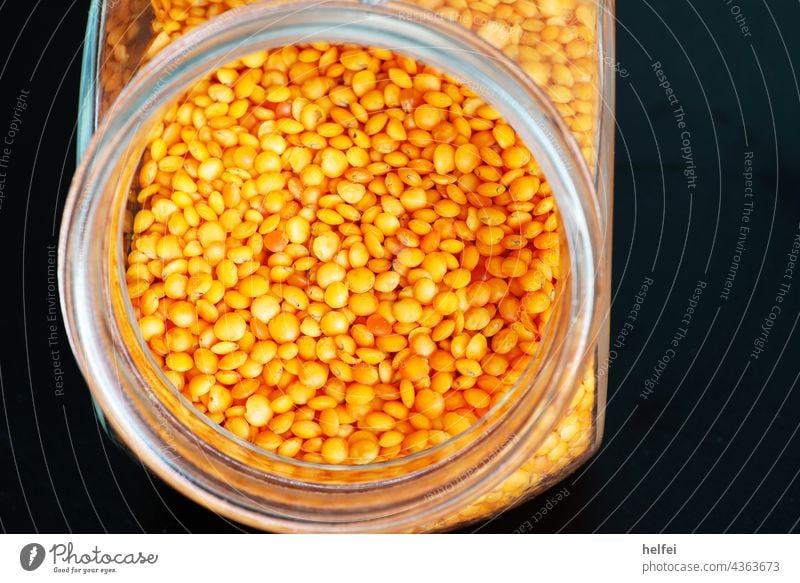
553, 41
345, 280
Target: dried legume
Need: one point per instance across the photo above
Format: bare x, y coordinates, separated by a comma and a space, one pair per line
553, 40
366, 274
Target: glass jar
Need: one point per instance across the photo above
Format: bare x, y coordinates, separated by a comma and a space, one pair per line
551, 419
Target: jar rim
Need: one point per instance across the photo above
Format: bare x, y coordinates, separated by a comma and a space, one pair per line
237, 33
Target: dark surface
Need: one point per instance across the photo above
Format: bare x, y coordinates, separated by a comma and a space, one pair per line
714, 448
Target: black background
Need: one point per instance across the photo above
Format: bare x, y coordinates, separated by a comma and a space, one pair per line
713, 449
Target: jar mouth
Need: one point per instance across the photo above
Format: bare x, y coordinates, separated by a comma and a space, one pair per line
424, 35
